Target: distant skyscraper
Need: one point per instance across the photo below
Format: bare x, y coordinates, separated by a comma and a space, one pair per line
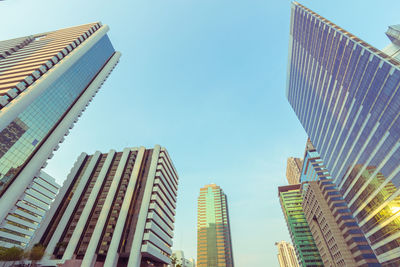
114, 209
286, 254
46, 82
214, 245
303, 242
336, 233
21, 221
293, 170
181, 260
393, 49
346, 95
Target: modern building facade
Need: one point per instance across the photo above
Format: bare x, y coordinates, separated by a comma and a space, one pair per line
313, 167
293, 170
25, 217
291, 202
114, 209
46, 82
336, 233
214, 245
286, 254
393, 49
346, 95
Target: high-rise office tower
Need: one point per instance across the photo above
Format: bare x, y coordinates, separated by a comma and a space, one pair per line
18, 226
346, 95
114, 209
286, 254
214, 245
336, 233
291, 202
46, 82
293, 170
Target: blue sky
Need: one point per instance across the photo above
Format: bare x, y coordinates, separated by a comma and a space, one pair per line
206, 79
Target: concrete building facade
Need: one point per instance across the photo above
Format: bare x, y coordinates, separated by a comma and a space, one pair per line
114, 209
336, 233
291, 202
25, 217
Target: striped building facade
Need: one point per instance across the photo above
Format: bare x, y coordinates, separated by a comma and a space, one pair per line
346, 95
114, 209
336, 233
25, 217
291, 201
46, 82
214, 244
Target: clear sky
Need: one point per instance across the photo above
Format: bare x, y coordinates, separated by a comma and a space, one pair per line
206, 79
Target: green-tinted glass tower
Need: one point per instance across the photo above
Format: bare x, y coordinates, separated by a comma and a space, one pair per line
214, 246
303, 241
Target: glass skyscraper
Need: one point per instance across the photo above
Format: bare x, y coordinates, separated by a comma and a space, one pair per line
46, 82
291, 201
214, 245
346, 95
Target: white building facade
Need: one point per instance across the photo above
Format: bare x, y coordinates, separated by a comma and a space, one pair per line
114, 209
23, 219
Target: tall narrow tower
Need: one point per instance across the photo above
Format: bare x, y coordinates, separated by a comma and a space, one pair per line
214, 245
293, 170
46, 82
286, 254
291, 202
